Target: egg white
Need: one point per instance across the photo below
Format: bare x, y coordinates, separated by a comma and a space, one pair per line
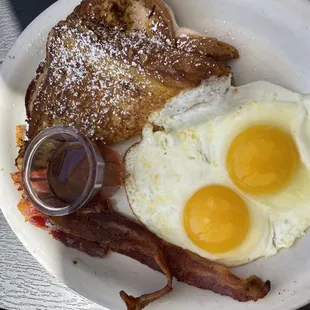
168, 167
165, 170
266, 103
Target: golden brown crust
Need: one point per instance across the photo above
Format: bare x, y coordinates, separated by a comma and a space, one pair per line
32, 89
128, 15
106, 81
207, 46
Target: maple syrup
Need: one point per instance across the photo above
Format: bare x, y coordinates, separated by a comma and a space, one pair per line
68, 172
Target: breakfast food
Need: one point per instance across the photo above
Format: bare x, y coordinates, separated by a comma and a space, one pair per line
240, 178
97, 229
112, 63
111, 67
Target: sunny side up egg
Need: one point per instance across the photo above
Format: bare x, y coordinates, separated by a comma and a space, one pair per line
234, 186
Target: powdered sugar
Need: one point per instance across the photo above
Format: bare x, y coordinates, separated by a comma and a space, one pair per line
99, 71
105, 80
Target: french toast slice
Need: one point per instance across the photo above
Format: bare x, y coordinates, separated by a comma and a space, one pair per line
112, 63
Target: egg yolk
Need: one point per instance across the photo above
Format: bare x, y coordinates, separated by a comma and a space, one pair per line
216, 219
262, 159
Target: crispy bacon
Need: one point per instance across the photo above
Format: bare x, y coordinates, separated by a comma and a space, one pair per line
31, 214
16, 179
186, 267
98, 229
104, 227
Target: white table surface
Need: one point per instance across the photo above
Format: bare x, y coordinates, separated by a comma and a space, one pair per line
24, 283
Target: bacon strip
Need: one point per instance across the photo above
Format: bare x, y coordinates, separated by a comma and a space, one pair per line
186, 267
97, 229
16, 179
110, 229
32, 215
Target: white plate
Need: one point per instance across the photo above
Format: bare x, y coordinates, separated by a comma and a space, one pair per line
273, 37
